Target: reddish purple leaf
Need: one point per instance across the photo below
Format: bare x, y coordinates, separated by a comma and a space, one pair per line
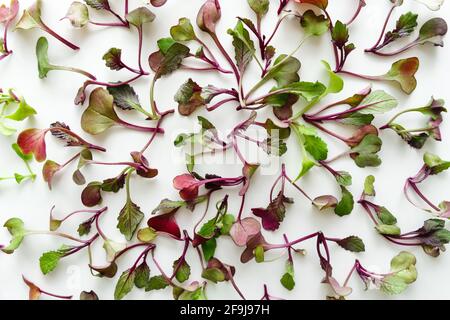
165, 223
33, 141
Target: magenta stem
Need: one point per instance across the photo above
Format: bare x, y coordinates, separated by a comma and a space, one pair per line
57, 36
383, 30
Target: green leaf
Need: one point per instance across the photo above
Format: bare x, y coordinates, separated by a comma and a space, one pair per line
170, 61
365, 154
260, 7
243, 46
197, 294
287, 280
100, 114
402, 261
124, 285
435, 163
156, 283
208, 229
311, 145
316, 147
113, 59
344, 178
340, 34
129, 219
184, 271
142, 275
17, 230
405, 26
345, 206
140, 16
164, 44
189, 98
284, 71
386, 217
44, 65
98, 4
335, 83
357, 119
49, 261
209, 248
22, 112
78, 14
183, 31
147, 235
433, 32
403, 73
388, 230
378, 102
227, 222
393, 284
315, 25
308, 90
259, 254
213, 274
369, 189
166, 206
31, 17
126, 98
352, 244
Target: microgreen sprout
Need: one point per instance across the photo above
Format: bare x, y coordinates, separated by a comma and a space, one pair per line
7, 15
31, 18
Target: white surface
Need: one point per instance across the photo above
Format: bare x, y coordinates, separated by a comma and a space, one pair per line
53, 98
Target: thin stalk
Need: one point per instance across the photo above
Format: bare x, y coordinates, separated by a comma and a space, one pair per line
241, 209
57, 36
398, 115
221, 103
140, 49
421, 195
129, 164
226, 56
361, 76
155, 111
292, 243
55, 295
205, 212
233, 283
349, 275
158, 125
5, 38
108, 24
396, 52
75, 70
139, 128
383, 30
56, 234
361, 5
207, 49
331, 133
84, 142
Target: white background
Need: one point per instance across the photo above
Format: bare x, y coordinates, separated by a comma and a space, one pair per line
53, 99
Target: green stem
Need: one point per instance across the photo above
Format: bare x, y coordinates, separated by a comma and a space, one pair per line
155, 113
76, 70
401, 113
265, 79
127, 182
